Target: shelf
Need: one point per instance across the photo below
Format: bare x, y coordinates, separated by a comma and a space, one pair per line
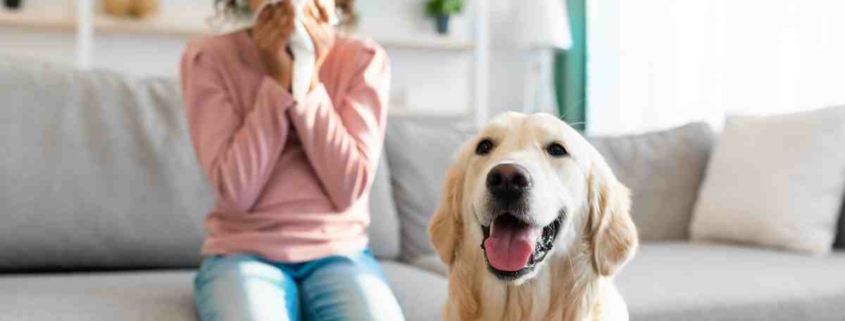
426, 43
187, 23
404, 112
181, 23
42, 20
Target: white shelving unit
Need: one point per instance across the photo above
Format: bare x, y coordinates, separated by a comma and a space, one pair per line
175, 24
87, 21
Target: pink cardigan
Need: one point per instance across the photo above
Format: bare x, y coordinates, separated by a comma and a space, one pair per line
291, 180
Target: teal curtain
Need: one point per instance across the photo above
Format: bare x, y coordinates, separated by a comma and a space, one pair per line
571, 69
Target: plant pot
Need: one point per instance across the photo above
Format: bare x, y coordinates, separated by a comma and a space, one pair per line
13, 4
443, 24
118, 8
144, 8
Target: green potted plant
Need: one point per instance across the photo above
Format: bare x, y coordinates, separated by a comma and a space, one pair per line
243, 9
442, 10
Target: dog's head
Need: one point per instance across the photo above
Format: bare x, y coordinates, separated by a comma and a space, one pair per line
526, 190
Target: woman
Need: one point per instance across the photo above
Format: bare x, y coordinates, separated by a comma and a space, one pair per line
286, 238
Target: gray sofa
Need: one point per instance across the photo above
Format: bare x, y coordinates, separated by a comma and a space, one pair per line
101, 208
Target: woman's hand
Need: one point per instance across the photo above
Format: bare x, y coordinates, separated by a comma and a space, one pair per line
270, 34
316, 21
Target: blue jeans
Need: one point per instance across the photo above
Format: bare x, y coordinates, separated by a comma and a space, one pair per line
341, 288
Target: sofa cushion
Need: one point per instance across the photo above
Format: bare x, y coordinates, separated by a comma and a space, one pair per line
684, 281
421, 294
165, 296
419, 155
168, 296
840, 239
384, 222
97, 171
664, 170
431, 263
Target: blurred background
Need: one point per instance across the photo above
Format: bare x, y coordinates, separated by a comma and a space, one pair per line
102, 201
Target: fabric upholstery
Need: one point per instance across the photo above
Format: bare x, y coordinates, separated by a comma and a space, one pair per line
432, 264
384, 222
418, 156
664, 170
684, 281
167, 295
840, 239
692, 282
97, 171
127, 296
665, 281
421, 294
775, 181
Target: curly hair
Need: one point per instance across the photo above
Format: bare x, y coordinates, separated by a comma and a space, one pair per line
346, 10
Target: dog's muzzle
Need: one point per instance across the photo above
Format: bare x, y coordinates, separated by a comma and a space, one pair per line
514, 243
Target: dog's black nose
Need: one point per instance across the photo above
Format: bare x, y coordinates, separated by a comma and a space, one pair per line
508, 182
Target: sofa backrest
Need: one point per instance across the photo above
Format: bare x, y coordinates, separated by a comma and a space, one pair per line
419, 152
840, 238
97, 171
664, 171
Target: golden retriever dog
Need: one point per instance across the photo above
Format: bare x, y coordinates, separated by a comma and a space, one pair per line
533, 226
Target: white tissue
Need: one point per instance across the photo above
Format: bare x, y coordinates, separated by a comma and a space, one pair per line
300, 45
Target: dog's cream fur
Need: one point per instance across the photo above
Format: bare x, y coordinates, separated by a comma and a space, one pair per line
574, 282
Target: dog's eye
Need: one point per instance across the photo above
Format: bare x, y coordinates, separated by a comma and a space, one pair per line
484, 147
556, 150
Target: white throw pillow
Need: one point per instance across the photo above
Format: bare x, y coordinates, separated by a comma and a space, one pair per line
776, 181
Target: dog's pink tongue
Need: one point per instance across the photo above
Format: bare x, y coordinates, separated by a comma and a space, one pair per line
509, 247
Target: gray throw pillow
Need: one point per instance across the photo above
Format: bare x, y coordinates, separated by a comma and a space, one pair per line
664, 171
419, 155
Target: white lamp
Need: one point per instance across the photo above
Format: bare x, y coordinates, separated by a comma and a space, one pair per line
541, 27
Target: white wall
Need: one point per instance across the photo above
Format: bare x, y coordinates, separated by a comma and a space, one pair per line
55, 46
427, 80
661, 63
507, 64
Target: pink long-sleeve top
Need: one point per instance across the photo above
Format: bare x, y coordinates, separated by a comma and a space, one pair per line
291, 179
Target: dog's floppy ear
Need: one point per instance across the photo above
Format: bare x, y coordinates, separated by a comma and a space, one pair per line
445, 229
611, 232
